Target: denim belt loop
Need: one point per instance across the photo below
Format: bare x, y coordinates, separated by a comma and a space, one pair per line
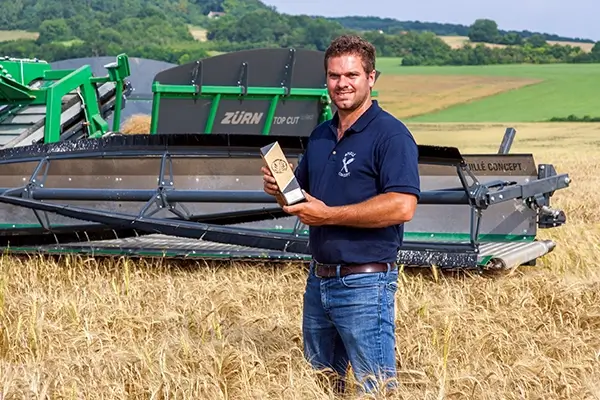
338, 269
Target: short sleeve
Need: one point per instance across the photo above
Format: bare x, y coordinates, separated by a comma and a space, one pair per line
397, 161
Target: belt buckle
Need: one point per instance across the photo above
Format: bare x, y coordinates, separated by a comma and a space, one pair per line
316, 273
315, 268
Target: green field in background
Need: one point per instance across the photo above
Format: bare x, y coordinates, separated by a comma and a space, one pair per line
566, 89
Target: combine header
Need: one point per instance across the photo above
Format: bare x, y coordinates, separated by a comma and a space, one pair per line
192, 187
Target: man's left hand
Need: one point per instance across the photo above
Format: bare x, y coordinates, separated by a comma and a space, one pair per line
312, 212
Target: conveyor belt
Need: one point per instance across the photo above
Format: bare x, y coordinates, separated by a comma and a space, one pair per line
169, 247
500, 255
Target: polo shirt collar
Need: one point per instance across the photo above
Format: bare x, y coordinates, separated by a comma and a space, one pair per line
362, 122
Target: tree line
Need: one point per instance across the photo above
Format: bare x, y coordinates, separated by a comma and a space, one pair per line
393, 26
428, 49
159, 29
415, 48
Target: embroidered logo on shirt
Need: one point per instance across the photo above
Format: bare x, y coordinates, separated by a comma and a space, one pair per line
347, 160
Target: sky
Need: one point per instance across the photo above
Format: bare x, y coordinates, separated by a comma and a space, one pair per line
574, 18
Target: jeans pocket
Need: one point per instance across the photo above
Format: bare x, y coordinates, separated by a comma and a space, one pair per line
370, 279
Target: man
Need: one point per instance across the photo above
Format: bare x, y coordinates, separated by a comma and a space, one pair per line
360, 174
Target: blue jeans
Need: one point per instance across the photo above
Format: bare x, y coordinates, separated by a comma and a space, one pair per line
351, 319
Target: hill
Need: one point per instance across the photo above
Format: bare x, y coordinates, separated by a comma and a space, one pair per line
178, 31
392, 26
168, 30
31, 14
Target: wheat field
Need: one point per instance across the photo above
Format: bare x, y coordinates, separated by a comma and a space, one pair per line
7, 36
430, 93
78, 328
459, 41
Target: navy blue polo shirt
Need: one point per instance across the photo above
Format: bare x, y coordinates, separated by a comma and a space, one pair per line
377, 154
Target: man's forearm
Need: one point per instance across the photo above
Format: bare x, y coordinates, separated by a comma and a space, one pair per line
380, 211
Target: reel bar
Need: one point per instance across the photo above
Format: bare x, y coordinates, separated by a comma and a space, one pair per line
284, 242
195, 196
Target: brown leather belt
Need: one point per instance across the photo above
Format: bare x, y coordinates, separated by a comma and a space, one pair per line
330, 270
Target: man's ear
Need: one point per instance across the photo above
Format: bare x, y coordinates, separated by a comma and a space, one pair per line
372, 79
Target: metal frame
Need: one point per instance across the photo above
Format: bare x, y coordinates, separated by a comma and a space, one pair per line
58, 83
33, 195
219, 93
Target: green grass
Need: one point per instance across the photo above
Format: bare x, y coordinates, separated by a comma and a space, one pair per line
566, 89
72, 42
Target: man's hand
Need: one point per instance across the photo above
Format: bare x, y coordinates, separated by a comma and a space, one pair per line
312, 212
269, 183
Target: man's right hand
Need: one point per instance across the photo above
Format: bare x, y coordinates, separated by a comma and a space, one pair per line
269, 183
270, 186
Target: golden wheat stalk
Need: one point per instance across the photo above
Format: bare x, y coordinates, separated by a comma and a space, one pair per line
76, 327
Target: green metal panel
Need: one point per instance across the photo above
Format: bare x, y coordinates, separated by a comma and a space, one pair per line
15, 92
218, 93
80, 78
24, 71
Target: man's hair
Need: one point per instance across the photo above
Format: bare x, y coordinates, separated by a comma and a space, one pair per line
352, 45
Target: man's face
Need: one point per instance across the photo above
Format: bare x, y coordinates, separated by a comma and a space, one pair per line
347, 82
